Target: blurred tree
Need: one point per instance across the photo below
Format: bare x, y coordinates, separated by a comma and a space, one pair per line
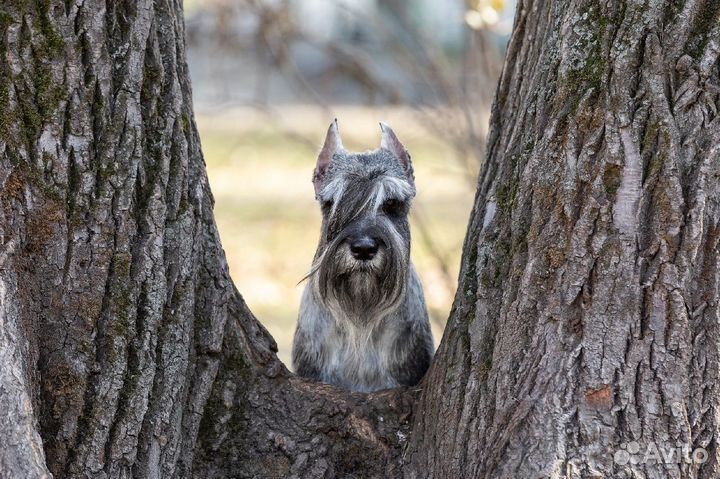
586, 314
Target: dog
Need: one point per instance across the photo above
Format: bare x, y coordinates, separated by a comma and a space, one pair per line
363, 323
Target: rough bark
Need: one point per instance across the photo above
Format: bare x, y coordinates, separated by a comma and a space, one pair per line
586, 314
129, 351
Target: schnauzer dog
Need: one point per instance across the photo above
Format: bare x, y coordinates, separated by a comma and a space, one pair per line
363, 323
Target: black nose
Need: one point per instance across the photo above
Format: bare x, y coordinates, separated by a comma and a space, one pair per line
364, 249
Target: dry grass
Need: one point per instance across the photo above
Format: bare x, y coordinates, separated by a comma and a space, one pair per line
268, 218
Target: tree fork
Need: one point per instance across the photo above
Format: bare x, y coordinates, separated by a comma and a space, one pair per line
586, 308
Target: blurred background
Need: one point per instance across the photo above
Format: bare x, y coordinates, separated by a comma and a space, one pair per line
269, 76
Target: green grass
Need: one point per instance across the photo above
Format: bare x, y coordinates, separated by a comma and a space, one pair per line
269, 221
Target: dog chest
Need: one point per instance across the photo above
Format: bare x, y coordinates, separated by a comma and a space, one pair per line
359, 359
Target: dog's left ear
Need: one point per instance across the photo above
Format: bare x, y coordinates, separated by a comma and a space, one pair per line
390, 142
333, 144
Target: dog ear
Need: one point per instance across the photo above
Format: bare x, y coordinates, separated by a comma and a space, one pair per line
390, 141
333, 144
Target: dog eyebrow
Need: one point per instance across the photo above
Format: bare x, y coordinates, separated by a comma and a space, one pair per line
391, 187
385, 187
334, 190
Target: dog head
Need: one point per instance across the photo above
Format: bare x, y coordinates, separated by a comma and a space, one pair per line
360, 269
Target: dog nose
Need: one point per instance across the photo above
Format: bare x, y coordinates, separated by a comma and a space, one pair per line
364, 249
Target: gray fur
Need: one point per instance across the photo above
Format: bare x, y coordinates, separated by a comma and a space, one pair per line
363, 325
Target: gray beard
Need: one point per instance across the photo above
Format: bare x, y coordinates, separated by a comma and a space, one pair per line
361, 293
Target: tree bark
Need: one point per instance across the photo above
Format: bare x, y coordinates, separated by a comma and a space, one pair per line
586, 315
586, 311
130, 352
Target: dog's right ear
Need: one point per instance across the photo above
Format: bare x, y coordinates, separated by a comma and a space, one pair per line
333, 144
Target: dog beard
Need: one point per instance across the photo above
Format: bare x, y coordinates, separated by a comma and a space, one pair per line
362, 291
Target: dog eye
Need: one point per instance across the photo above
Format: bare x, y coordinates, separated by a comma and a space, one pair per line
392, 206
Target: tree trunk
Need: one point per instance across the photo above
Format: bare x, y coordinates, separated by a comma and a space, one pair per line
586, 314
130, 352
